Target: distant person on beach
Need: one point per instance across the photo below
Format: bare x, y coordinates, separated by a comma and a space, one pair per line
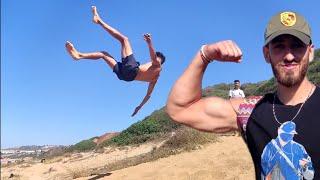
281, 128
128, 69
236, 92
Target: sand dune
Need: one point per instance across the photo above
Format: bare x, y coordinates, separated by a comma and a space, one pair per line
226, 159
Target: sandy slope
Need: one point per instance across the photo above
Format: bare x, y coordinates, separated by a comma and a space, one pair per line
77, 164
226, 159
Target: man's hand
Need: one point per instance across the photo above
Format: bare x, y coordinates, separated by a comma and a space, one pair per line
147, 37
136, 111
223, 51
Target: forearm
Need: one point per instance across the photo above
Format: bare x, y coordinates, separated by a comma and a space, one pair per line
148, 95
187, 88
152, 51
145, 99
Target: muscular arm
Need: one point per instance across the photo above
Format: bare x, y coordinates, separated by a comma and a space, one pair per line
185, 104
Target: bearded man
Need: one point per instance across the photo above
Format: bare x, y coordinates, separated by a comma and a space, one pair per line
268, 123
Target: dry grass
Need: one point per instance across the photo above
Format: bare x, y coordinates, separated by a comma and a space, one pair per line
25, 165
185, 139
11, 164
77, 173
53, 160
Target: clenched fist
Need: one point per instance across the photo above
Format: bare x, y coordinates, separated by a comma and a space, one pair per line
147, 37
225, 51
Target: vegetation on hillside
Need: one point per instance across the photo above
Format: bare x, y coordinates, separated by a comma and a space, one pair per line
317, 55
151, 127
85, 145
314, 70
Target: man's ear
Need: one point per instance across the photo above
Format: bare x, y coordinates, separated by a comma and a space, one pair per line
266, 53
311, 53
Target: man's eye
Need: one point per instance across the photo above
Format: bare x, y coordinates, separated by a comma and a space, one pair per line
278, 46
297, 46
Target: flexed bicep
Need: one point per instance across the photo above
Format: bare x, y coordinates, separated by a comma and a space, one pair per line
211, 114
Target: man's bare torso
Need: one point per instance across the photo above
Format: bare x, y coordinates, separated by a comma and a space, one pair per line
148, 72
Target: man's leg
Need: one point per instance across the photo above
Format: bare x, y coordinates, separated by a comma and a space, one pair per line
76, 55
126, 49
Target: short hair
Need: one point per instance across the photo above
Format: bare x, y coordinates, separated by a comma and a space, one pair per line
161, 56
235, 81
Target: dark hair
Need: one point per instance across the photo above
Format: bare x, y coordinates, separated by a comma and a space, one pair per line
160, 55
236, 81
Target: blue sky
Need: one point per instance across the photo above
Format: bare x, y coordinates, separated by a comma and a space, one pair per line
46, 98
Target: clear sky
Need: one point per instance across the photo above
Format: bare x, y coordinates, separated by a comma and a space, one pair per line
46, 98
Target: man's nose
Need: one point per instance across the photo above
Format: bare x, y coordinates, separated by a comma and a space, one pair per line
289, 56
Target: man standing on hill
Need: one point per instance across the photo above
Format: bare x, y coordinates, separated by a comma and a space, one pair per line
281, 128
128, 69
236, 92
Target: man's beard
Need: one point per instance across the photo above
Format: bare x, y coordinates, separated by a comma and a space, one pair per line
288, 79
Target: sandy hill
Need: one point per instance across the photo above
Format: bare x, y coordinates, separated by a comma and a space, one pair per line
227, 158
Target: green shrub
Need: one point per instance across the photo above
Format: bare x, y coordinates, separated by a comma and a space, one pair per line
85, 145
188, 139
151, 127
314, 71
317, 55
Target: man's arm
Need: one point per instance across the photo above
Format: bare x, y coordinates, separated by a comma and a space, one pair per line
230, 93
146, 98
212, 114
147, 38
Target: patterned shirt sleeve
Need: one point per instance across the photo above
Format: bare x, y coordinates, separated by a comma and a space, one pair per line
245, 110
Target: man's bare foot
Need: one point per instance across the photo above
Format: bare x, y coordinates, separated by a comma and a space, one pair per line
96, 17
72, 51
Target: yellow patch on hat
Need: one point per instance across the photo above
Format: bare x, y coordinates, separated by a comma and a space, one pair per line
288, 18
